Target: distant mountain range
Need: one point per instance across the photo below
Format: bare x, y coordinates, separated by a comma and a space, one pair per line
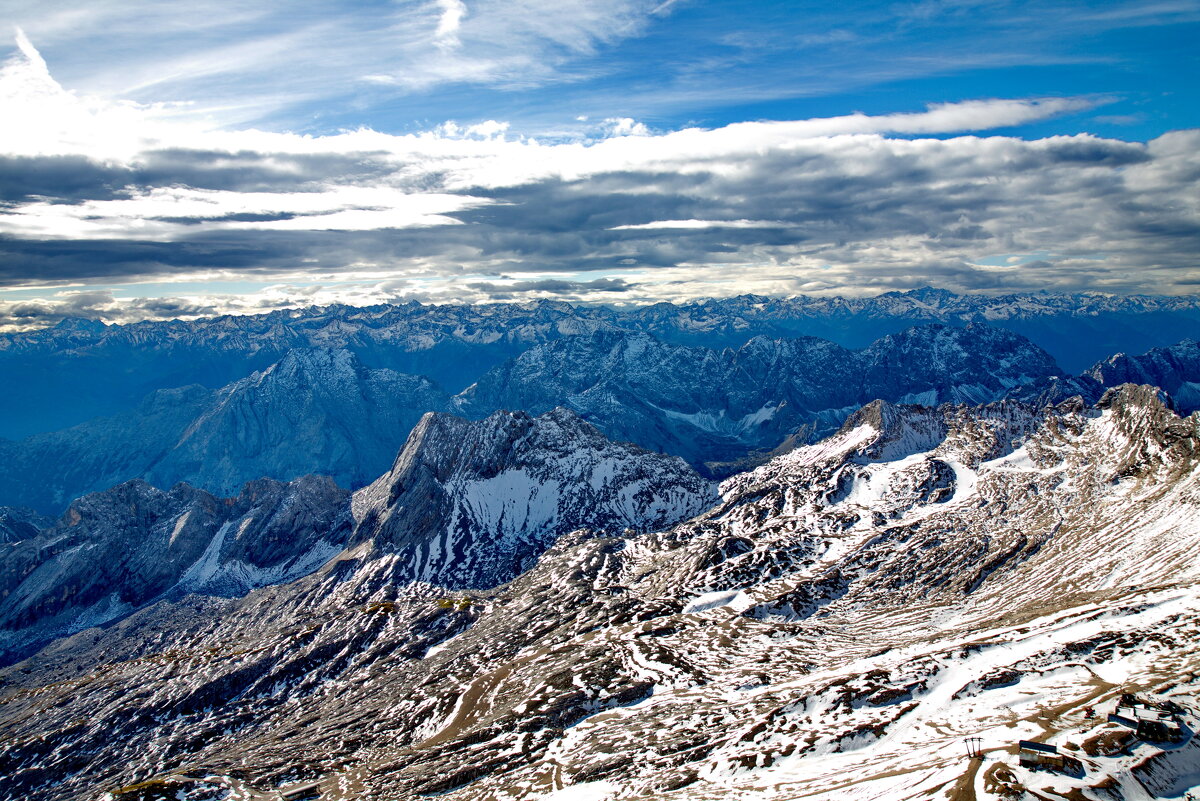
81, 369
321, 410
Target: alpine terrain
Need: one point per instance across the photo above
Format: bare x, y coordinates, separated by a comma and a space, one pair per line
521, 609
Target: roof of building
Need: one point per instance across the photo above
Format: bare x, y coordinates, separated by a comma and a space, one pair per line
1029, 745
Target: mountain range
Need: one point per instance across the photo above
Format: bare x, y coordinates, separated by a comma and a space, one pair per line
682, 552
835, 621
81, 369
323, 411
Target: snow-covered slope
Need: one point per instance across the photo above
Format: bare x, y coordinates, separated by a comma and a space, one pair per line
315, 411
833, 627
717, 406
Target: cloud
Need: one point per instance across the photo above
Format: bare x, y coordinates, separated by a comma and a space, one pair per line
551, 287
695, 224
449, 22
95, 193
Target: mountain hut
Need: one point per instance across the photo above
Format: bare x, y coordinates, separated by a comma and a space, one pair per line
301, 792
1040, 755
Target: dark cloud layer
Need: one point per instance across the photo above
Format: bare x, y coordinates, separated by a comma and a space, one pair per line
818, 213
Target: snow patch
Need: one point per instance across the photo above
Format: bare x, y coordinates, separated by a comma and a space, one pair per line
736, 600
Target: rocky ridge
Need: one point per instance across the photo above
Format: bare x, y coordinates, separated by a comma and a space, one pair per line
835, 624
466, 505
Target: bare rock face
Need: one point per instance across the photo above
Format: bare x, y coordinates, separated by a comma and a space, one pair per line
841, 616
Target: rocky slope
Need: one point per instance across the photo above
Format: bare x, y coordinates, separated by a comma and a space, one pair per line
466, 505
314, 411
833, 626
717, 406
19, 523
81, 369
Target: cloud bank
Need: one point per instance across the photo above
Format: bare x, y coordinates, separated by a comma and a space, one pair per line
95, 195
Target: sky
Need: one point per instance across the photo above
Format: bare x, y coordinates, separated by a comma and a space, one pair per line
180, 160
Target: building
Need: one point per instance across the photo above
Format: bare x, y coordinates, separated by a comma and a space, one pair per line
1039, 755
301, 792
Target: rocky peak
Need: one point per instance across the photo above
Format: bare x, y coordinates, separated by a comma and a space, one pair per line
467, 503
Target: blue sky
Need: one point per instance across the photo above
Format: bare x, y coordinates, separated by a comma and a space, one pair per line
184, 159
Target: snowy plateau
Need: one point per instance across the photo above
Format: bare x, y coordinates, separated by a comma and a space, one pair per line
512, 553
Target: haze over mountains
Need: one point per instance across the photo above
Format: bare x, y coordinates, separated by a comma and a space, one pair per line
534, 587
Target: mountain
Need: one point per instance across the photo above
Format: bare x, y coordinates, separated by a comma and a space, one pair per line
465, 505
834, 626
1174, 369
472, 504
718, 406
115, 551
81, 369
315, 410
19, 523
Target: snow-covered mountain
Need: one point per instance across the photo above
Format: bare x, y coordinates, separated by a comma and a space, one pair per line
833, 626
81, 369
1174, 369
717, 406
314, 411
465, 505
472, 504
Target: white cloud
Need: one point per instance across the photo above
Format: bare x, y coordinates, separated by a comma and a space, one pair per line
452, 13
153, 215
776, 206
624, 126
697, 224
